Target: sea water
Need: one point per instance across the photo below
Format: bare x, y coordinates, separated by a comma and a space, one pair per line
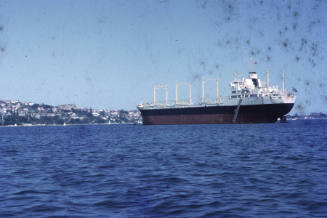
157, 171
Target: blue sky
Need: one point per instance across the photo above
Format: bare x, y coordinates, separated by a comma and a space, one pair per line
108, 54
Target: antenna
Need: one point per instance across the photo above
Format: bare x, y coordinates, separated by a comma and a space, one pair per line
190, 92
267, 79
202, 98
235, 76
250, 67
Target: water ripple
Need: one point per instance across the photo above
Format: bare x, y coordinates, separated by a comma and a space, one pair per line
153, 171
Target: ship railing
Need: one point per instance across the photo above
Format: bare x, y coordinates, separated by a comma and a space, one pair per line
212, 102
232, 100
157, 104
183, 102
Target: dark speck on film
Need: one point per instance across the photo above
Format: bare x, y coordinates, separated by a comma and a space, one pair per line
297, 58
268, 58
295, 14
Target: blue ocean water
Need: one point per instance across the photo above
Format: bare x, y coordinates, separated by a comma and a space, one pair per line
154, 171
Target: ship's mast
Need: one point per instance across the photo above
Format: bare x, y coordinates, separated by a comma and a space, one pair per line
154, 94
166, 90
283, 81
176, 93
235, 76
267, 78
155, 88
217, 91
202, 97
190, 92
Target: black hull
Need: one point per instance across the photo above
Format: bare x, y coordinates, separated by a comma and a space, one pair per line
265, 113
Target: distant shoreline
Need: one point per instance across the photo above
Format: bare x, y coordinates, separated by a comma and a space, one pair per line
72, 124
16, 113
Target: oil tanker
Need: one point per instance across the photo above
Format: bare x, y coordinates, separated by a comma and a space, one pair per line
250, 101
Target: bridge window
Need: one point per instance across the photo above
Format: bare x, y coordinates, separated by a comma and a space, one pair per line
255, 82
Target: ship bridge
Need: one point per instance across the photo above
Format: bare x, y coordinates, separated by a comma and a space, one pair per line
252, 91
251, 87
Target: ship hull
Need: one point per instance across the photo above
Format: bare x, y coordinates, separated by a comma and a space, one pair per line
264, 113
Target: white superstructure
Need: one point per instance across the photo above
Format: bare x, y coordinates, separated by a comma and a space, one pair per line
245, 91
252, 91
